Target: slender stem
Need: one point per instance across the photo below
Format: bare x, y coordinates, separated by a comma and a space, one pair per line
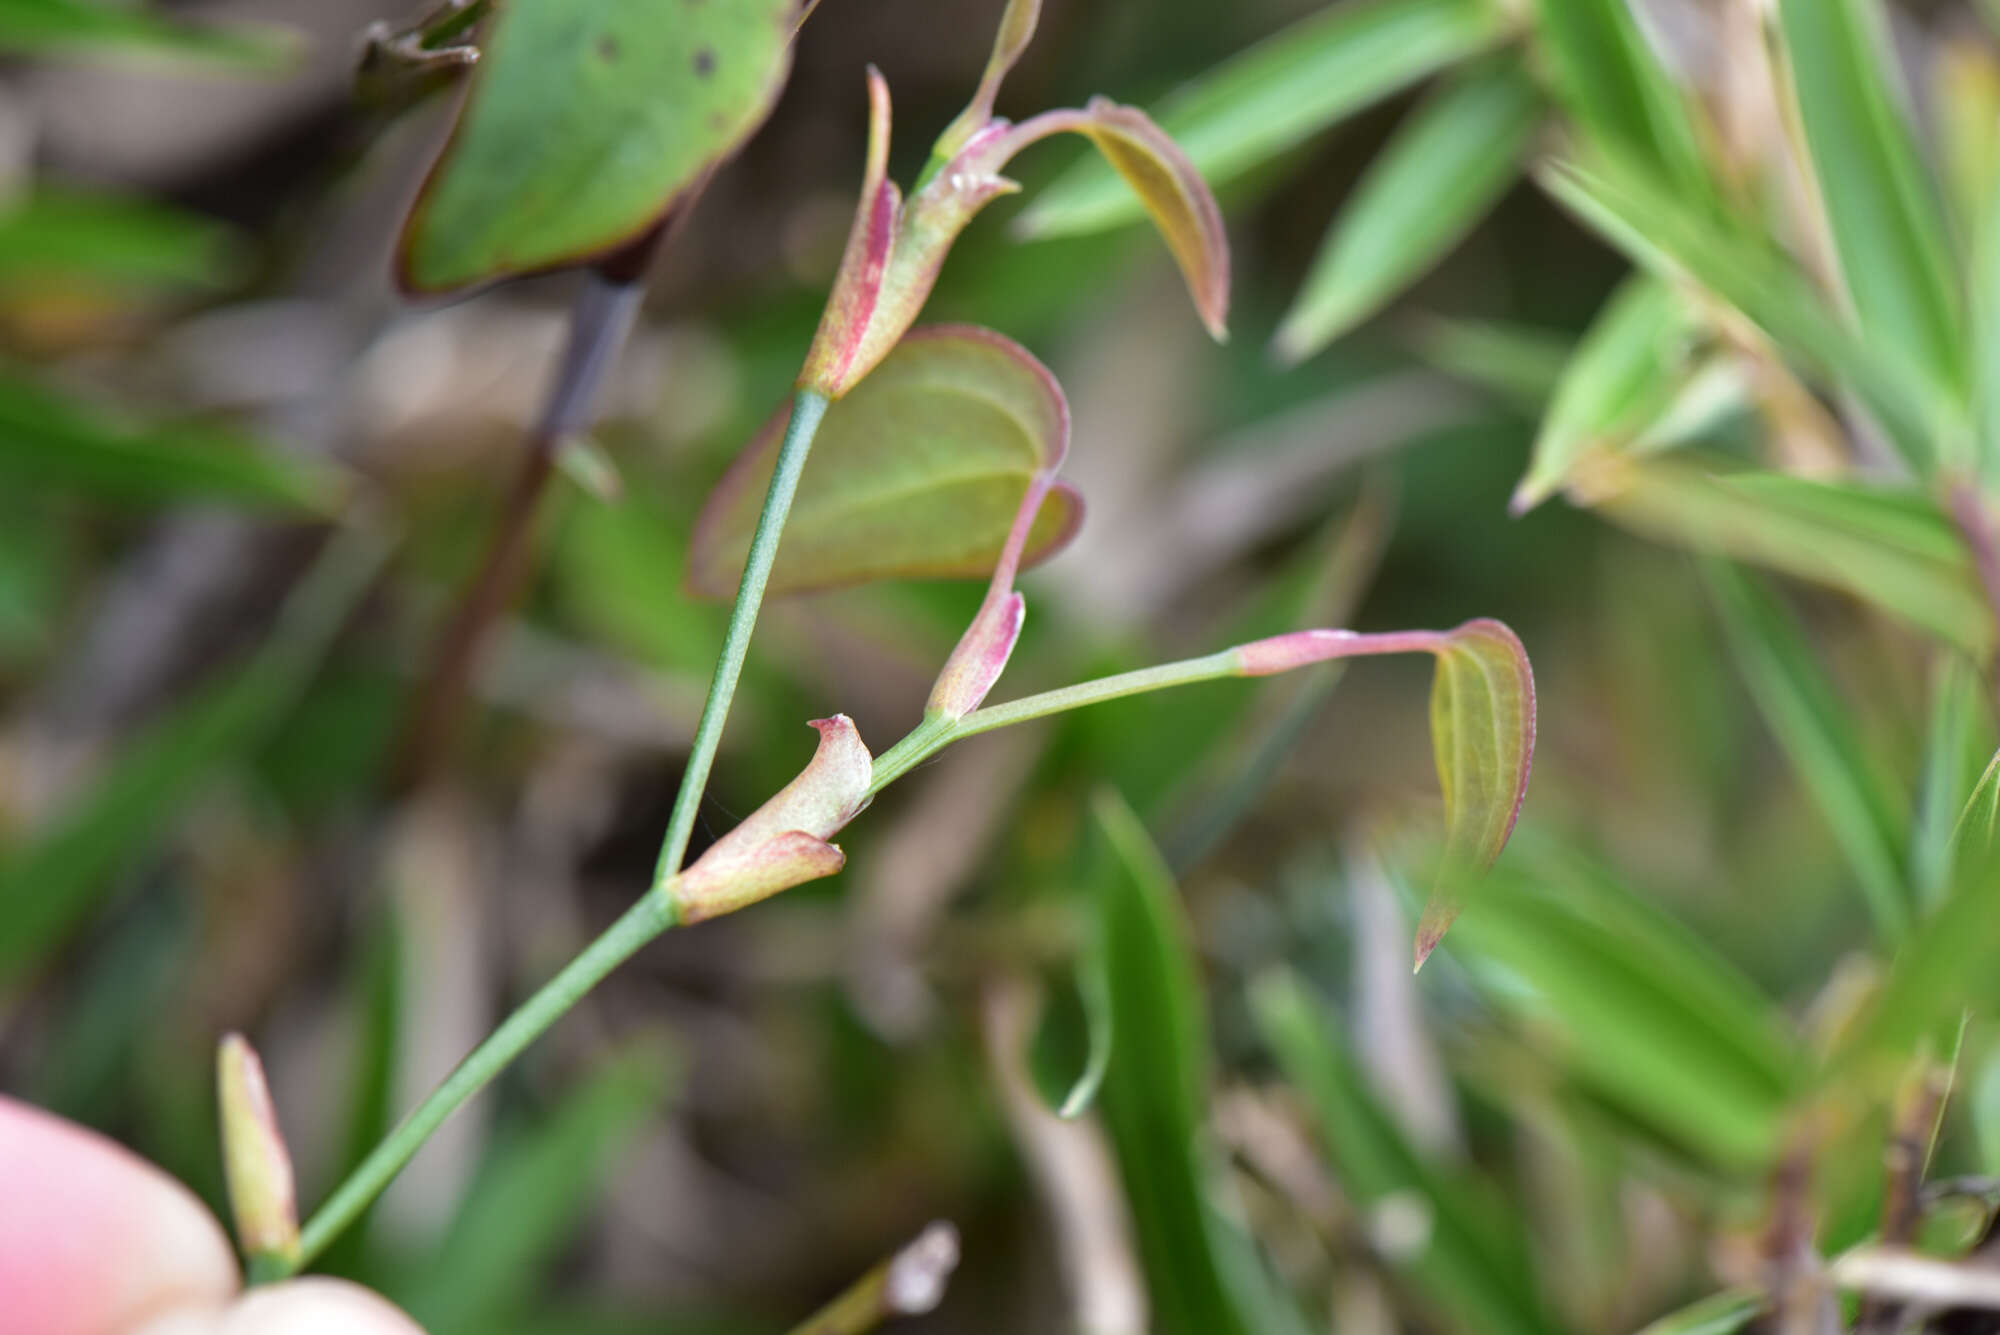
807, 410
652, 915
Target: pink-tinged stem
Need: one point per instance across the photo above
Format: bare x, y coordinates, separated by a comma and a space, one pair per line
1301, 648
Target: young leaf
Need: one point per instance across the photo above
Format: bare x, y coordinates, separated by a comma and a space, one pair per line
1618, 91
1459, 1251
49, 441
1621, 378
255, 1160
1892, 548
916, 473
1287, 87
1428, 187
586, 122
1887, 222
1817, 730
1482, 733
1641, 214
1156, 1084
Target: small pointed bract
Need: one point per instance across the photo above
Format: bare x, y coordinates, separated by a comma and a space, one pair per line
254, 1158
784, 842
897, 246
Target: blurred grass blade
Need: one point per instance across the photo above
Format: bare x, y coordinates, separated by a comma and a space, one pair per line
1093, 985
1893, 548
917, 473
587, 120
1459, 1251
1617, 90
1156, 1086
1443, 171
1620, 380
1817, 730
1287, 87
1641, 214
1717, 1314
49, 441
1959, 738
61, 235
49, 886
531, 1194
1643, 1011
1883, 208
1968, 98
77, 28
1519, 364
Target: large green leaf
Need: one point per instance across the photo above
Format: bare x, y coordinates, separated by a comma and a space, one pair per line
1428, 187
1287, 87
51, 884
1463, 1255
586, 121
917, 472
1637, 210
1818, 731
74, 27
1892, 547
1156, 1083
1887, 221
1617, 90
1619, 381
47, 441
1638, 1007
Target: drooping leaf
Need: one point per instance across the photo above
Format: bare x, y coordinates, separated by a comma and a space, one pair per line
1818, 732
1427, 188
586, 121
1718, 1314
916, 473
1156, 1084
1885, 215
1891, 547
99, 27
1291, 85
1618, 91
1621, 378
1638, 212
530, 1194
50, 885
49, 441
1460, 1252
77, 237
1639, 1008
1482, 734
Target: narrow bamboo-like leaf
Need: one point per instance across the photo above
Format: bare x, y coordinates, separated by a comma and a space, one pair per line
1891, 547
1454, 1245
49, 441
1635, 210
586, 121
917, 472
77, 28
51, 884
1618, 91
1287, 87
73, 236
1718, 1314
1156, 1085
1639, 1008
1620, 380
530, 1194
1887, 222
1428, 187
1817, 730
1482, 734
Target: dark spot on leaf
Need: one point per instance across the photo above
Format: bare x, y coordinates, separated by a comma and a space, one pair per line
607, 48
704, 62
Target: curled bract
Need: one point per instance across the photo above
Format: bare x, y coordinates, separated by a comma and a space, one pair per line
255, 1162
784, 842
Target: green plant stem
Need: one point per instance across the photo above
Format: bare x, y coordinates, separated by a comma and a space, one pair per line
652, 915
807, 410
937, 732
